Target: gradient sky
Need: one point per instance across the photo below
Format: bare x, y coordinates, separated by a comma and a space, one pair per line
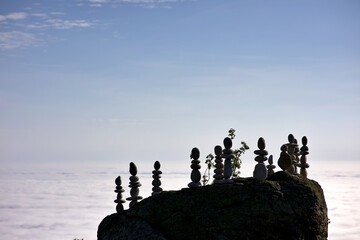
113, 81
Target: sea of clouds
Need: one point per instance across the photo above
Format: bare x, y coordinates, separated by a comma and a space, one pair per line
68, 203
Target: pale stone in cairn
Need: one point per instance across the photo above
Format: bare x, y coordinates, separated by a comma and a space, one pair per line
156, 176
260, 171
119, 190
195, 166
134, 184
219, 166
228, 156
271, 166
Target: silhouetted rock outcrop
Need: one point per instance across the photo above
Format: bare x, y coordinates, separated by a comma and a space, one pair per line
282, 207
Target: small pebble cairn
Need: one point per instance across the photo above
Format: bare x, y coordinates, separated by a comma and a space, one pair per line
219, 166
271, 166
291, 151
227, 155
260, 171
119, 190
134, 184
156, 179
304, 150
195, 166
296, 156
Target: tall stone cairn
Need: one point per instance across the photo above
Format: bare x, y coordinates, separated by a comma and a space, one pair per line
156, 179
260, 171
228, 156
296, 155
304, 150
119, 200
291, 150
195, 166
134, 184
219, 166
271, 166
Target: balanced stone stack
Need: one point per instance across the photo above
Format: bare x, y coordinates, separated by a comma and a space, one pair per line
271, 166
291, 151
134, 184
228, 156
219, 166
156, 176
195, 166
260, 171
119, 190
304, 150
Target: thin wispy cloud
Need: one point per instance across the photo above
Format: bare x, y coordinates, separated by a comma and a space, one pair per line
28, 28
68, 24
137, 3
15, 39
24, 29
60, 24
13, 16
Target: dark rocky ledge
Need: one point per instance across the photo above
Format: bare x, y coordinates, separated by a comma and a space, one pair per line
282, 207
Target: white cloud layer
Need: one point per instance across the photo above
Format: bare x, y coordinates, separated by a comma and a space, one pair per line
68, 204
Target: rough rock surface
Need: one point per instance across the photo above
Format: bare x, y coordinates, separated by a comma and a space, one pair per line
282, 207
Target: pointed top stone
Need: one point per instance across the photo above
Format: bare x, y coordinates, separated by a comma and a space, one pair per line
270, 159
291, 138
118, 181
227, 143
261, 143
133, 169
304, 140
218, 150
157, 165
195, 153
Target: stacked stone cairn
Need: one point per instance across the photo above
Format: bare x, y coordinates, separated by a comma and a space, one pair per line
292, 145
296, 155
260, 171
156, 179
119, 190
195, 166
228, 156
271, 166
304, 150
219, 166
134, 184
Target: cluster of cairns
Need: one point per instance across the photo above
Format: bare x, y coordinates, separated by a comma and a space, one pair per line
134, 185
291, 158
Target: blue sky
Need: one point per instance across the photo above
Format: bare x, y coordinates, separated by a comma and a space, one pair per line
113, 81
